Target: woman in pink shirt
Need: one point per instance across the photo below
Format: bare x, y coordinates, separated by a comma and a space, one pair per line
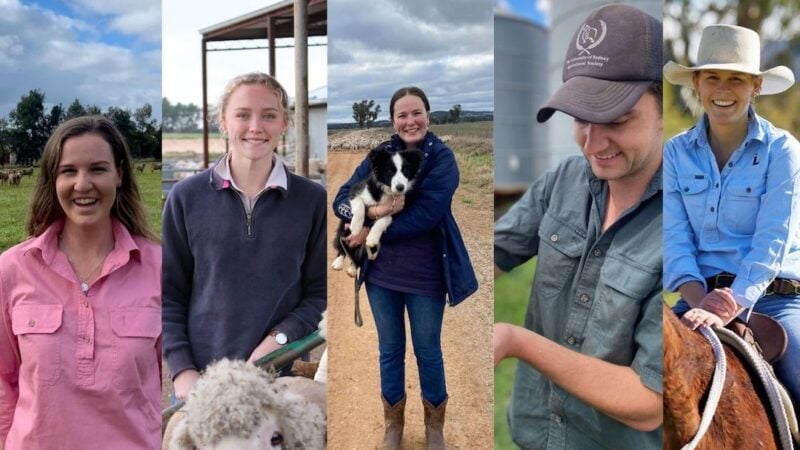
80, 304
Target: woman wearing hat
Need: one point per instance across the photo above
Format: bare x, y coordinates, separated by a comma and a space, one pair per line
732, 196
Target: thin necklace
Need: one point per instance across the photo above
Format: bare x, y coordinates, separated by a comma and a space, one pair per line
85, 281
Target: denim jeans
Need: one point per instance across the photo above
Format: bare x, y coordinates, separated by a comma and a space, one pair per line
425, 317
785, 310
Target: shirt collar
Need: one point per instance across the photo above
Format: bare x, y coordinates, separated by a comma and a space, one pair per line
125, 247
277, 178
699, 134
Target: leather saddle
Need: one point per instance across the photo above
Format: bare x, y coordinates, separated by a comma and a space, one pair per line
764, 333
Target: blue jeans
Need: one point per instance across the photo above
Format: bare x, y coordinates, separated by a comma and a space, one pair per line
785, 310
425, 316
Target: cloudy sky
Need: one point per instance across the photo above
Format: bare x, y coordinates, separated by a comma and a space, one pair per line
377, 46
536, 10
182, 52
103, 52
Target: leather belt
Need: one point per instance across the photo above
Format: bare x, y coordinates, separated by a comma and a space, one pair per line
779, 286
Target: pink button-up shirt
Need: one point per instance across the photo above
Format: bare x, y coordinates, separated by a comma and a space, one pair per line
80, 371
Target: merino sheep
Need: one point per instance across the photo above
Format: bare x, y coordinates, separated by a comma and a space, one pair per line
154, 167
236, 405
140, 168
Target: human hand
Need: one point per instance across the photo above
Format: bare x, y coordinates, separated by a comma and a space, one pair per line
697, 317
721, 303
267, 346
390, 205
354, 240
184, 383
501, 341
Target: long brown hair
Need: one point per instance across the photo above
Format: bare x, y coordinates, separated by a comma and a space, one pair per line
128, 207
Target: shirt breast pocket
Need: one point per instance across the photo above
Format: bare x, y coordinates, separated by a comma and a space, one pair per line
624, 287
693, 190
136, 330
739, 208
560, 249
36, 329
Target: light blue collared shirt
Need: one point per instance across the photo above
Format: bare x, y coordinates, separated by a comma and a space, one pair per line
744, 219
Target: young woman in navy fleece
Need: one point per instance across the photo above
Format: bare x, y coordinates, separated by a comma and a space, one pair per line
244, 243
422, 265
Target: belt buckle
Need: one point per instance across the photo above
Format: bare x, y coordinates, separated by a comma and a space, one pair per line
773, 287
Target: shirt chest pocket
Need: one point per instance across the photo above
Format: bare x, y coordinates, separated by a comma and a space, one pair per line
740, 204
136, 331
36, 328
560, 249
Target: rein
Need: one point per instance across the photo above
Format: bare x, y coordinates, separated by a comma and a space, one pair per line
715, 392
358, 320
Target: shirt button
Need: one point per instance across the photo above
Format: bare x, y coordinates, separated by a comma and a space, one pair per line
85, 304
716, 185
553, 238
31, 323
712, 209
597, 252
571, 340
584, 299
87, 339
557, 419
749, 190
730, 164
686, 189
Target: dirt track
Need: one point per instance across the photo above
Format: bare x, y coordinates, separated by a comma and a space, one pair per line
355, 413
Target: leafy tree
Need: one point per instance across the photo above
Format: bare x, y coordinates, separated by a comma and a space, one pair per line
455, 114
93, 110
365, 112
29, 123
75, 109
54, 119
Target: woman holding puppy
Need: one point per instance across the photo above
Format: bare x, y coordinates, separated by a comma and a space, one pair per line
422, 264
244, 243
732, 196
80, 304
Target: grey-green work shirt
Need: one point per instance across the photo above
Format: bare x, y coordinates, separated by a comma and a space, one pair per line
595, 292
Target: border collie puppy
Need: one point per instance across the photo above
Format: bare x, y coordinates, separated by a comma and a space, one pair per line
391, 174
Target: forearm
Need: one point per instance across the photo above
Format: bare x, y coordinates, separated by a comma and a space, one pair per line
616, 391
693, 292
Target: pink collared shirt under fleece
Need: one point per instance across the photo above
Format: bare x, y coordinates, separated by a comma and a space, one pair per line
80, 372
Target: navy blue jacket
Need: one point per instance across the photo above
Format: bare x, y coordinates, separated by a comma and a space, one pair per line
427, 208
226, 282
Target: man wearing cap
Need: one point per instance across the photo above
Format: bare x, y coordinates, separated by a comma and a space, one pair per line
591, 356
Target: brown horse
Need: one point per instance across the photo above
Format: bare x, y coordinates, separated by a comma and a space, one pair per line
741, 421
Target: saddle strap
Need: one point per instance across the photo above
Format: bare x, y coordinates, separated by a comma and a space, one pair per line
764, 333
785, 419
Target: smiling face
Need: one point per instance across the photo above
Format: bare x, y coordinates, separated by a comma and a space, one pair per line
726, 95
410, 119
87, 179
254, 121
627, 149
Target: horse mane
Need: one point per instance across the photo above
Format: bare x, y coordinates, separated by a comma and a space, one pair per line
741, 420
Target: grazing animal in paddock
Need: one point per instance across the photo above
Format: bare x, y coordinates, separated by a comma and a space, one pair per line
14, 178
140, 168
236, 405
154, 167
3, 177
27, 172
742, 420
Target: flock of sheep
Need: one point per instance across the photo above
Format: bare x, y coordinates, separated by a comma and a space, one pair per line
13, 177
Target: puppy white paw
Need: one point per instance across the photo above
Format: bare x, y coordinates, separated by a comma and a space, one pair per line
352, 271
372, 251
338, 263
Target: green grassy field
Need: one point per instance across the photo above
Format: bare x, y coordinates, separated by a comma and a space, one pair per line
511, 293
15, 202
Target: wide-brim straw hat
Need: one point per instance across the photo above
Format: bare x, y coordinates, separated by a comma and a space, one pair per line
729, 47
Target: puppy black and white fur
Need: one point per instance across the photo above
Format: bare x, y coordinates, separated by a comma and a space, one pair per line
391, 174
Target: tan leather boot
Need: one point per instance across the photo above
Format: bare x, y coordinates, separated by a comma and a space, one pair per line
434, 425
393, 422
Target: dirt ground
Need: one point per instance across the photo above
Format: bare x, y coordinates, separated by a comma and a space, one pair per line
355, 413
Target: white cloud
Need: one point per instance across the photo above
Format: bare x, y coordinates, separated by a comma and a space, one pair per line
54, 53
141, 18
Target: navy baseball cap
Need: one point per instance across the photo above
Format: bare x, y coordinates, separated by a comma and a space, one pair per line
611, 61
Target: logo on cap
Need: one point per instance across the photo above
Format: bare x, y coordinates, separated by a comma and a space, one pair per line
588, 38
